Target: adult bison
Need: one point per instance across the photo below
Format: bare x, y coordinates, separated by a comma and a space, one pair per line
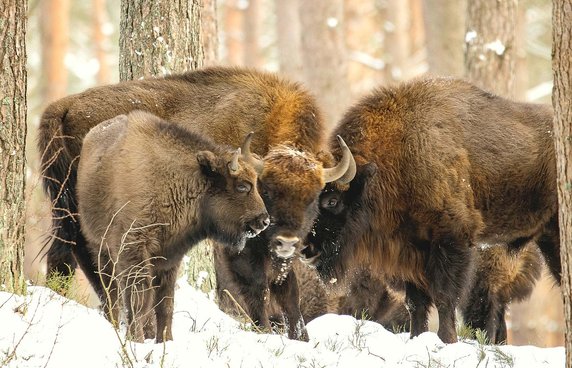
148, 191
442, 165
222, 103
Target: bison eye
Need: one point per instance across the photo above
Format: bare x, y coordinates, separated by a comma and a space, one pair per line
243, 187
333, 202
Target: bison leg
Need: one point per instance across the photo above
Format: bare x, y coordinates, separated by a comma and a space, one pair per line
418, 303
164, 302
481, 309
549, 244
287, 296
138, 296
501, 331
449, 270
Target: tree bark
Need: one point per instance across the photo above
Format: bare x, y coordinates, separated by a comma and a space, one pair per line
444, 25
324, 55
561, 99
233, 32
490, 44
398, 45
251, 24
13, 79
54, 22
159, 37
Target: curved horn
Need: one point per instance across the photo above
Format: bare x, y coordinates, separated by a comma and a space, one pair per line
339, 171
350, 173
233, 164
257, 164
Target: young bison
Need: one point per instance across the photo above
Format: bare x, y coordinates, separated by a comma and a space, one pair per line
455, 166
224, 104
149, 191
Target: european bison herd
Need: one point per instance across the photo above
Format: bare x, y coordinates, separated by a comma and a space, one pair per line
429, 193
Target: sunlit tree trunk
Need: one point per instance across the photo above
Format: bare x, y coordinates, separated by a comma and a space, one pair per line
251, 24
233, 33
209, 29
490, 44
100, 41
288, 38
324, 55
562, 102
159, 37
444, 33
398, 42
54, 22
13, 80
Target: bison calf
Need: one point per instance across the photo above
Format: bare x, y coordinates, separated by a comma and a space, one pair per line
456, 165
148, 191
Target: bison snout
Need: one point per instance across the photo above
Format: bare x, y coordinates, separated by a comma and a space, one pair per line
286, 246
259, 224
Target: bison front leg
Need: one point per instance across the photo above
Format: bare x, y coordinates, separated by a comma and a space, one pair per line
138, 297
287, 296
450, 269
164, 302
417, 303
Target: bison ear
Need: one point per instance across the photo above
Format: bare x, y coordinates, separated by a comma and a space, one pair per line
369, 170
208, 162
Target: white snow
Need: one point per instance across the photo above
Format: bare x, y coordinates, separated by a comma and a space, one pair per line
43, 329
470, 36
332, 22
496, 46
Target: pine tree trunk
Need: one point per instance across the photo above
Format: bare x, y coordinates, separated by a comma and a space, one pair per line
324, 55
251, 24
562, 102
233, 31
100, 40
444, 26
54, 22
490, 44
288, 38
209, 29
159, 37
13, 81
398, 44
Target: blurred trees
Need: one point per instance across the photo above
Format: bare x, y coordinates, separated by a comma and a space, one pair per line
561, 100
13, 86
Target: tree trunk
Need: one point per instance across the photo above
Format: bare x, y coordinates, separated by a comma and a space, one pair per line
159, 37
444, 26
209, 29
490, 44
251, 24
54, 22
100, 41
233, 32
13, 81
398, 44
288, 38
324, 55
561, 99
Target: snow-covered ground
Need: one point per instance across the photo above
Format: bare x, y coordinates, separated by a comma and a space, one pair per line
43, 329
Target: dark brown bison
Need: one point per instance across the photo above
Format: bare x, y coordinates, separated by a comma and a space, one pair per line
223, 104
441, 165
262, 276
148, 191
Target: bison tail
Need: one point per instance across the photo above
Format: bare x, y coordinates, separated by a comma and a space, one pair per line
58, 172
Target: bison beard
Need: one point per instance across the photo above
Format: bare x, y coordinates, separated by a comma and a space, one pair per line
455, 166
149, 191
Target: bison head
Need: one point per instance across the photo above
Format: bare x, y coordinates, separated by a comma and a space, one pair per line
233, 208
290, 181
343, 216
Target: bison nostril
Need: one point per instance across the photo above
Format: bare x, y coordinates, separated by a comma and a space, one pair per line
266, 222
287, 241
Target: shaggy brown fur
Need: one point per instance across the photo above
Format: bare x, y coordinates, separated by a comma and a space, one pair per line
149, 191
222, 103
455, 166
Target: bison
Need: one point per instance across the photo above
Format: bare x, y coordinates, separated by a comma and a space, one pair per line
441, 165
222, 103
148, 191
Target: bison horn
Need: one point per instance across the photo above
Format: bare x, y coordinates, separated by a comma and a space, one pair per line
345, 166
233, 164
256, 163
